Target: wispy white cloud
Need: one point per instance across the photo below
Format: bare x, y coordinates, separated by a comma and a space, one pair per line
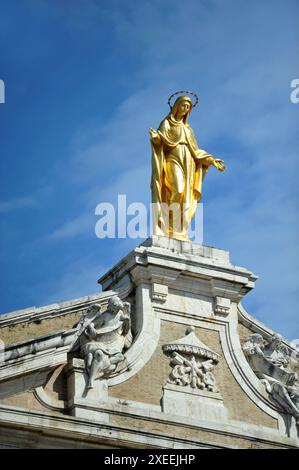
80, 276
84, 224
78, 226
79, 279
26, 202
33, 201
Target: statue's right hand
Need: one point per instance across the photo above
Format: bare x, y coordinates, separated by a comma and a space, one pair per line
154, 135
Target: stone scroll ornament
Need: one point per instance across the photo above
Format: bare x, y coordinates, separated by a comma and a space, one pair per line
102, 338
192, 363
271, 363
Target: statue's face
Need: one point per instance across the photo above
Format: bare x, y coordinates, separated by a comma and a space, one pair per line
276, 343
115, 305
183, 108
259, 340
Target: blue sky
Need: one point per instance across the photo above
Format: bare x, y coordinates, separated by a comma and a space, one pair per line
84, 82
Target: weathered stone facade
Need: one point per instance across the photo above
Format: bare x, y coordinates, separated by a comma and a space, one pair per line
168, 362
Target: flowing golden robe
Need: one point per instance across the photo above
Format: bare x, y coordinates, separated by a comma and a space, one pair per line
178, 170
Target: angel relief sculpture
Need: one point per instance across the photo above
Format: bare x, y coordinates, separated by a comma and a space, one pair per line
103, 337
270, 360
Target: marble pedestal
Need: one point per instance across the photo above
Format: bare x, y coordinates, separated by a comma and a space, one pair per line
83, 402
165, 264
193, 403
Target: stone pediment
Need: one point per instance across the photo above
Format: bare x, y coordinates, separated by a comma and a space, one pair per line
129, 368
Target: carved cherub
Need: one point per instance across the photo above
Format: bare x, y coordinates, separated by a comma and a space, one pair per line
254, 344
271, 364
104, 338
276, 352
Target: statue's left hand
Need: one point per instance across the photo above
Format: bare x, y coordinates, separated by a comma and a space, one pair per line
219, 164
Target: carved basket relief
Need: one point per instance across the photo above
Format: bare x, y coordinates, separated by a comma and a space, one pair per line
191, 387
192, 363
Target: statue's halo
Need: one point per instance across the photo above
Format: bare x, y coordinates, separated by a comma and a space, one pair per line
184, 92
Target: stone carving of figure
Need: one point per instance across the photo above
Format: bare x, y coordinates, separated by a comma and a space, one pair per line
254, 345
178, 170
271, 363
104, 337
277, 352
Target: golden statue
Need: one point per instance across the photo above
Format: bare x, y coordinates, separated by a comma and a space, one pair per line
178, 170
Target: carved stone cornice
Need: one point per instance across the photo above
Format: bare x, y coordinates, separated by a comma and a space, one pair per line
183, 266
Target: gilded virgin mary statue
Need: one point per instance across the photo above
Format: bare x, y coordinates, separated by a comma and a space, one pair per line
178, 170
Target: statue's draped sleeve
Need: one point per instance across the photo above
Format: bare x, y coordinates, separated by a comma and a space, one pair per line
158, 162
199, 156
171, 134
